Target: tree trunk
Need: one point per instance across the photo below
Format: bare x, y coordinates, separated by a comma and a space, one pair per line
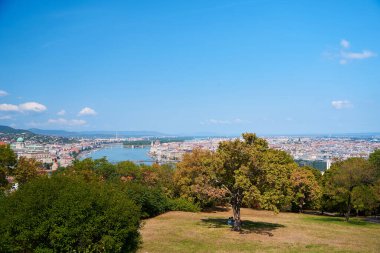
236, 204
301, 206
348, 212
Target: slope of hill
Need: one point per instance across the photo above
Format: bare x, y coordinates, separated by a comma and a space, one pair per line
9, 135
10, 130
263, 231
52, 132
104, 134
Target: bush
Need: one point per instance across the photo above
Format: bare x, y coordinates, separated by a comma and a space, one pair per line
151, 200
182, 205
63, 214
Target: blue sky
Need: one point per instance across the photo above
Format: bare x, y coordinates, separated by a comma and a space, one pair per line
271, 67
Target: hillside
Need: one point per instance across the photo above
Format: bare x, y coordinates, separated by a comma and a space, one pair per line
9, 134
264, 231
10, 130
90, 134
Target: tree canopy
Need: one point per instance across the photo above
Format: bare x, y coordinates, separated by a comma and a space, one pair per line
349, 179
8, 160
68, 214
243, 172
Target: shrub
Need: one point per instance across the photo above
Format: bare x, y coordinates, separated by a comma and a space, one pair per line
151, 200
181, 204
63, 214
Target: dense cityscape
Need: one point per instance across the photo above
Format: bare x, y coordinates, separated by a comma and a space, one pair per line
301, 148
55, 153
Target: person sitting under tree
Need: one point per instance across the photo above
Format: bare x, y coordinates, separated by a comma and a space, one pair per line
230, 221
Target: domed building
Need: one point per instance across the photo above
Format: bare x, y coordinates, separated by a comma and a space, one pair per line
29, 150
20, 144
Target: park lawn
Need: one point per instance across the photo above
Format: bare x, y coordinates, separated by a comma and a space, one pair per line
264, 231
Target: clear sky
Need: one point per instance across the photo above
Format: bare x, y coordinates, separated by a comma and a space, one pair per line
271, 67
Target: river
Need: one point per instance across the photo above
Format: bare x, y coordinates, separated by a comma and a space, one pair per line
118, 153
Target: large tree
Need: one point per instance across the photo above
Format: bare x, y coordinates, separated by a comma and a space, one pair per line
8, 160
374, 159
365, 198
348, 177
306, 189
195, 179
26, 169
254, 174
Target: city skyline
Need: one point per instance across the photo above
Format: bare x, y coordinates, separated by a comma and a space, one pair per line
191, 67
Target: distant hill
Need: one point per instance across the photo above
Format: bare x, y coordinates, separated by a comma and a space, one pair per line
123, 133
10, 130
10, 134
52, 132
100, 134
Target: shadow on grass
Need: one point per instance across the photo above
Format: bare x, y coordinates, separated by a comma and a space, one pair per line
262, 228
216, 209
339, 220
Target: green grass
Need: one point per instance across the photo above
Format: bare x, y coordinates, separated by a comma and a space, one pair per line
263, 231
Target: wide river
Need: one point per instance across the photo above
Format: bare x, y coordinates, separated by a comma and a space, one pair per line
117, 153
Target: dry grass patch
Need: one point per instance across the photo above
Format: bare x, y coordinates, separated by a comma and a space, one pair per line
263, 231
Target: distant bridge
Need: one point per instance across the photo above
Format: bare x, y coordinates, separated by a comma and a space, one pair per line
153, 161
145, 161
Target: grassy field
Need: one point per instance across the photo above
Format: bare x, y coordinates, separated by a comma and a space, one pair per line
264, 231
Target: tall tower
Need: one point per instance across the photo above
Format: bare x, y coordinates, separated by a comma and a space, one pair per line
328, 164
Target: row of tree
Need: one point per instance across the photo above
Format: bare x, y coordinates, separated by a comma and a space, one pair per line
246, 172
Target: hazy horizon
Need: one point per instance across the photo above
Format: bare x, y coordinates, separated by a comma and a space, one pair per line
123, 132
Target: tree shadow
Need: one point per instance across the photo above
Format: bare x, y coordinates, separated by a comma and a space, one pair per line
339, 220
258, 227
215, 209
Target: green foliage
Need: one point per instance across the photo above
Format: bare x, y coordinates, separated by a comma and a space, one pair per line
126, 171
151, 200
307, 192
148, 186
364, 198
129, 171
317, 173
328, 203
92, 170
158, 176
8, 160
245, 172
4, 184
271, 174
181, 204
26, 169
374, 159
65, 214
318, 165
257, 174
195, 179
346, 178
